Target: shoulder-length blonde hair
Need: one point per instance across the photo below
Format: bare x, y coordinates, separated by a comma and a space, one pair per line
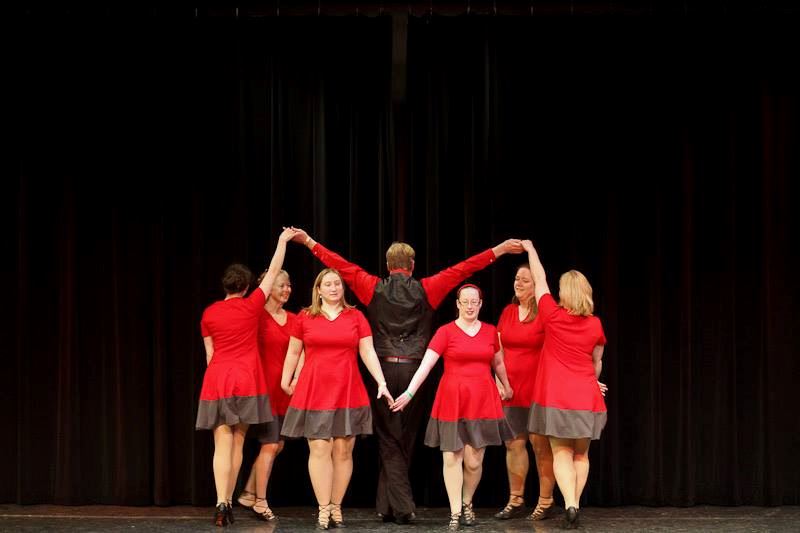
315, 309
575, 293
533, 308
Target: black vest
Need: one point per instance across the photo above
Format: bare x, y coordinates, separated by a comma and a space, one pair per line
400, 317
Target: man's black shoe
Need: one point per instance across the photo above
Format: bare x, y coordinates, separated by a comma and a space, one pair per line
405, 518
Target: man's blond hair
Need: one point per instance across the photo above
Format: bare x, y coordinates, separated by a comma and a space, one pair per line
400, 255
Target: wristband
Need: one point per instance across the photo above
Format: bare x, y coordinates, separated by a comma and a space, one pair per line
410, 396
308, 238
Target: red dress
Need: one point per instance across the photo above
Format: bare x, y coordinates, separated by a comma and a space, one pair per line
273, 341
467, 408
567, 402
522, 345
330, 399
234, 389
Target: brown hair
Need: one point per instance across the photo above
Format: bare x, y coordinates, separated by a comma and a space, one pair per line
533, 307
575, 293
400, 255
315, 309
236, 278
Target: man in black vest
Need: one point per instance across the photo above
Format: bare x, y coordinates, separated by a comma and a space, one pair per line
400, 312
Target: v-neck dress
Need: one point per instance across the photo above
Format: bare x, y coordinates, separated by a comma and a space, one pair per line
522, 345
467, 408
273, 341
330, 399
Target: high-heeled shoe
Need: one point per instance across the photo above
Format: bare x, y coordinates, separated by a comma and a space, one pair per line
337, 520
571, 518
230, 512
266, 514
467, 514
221, 515
324, 517
514, 508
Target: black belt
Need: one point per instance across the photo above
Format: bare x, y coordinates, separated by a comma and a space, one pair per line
395, 359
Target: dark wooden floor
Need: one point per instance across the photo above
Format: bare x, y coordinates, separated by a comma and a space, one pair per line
166, 519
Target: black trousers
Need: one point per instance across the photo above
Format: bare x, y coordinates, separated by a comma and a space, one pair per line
396, 433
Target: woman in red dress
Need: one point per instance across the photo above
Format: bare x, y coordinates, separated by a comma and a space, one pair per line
467, 413
274, 329
234, 393
521, 338
329, 404
568, 403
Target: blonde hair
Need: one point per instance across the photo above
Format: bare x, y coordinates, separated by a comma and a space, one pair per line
280, 273
315, 309
575, 293
533, 307
400, 255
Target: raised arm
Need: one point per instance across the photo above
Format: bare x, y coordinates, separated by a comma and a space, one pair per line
277, 260
438, 285
537, 271
290, 364
367, 350
416, 382
359, 280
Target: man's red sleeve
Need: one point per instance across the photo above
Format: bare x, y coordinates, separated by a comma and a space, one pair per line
360, 282
437, 286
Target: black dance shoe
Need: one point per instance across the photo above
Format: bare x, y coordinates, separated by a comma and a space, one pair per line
221, 515
512, 511
571, 518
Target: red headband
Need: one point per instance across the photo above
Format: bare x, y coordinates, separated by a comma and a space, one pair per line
469, 286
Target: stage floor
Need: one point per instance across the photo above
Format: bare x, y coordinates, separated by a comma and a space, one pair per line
181, 518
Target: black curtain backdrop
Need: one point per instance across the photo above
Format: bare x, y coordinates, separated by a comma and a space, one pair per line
657, 154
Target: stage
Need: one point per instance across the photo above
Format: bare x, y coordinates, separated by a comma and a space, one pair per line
184, 518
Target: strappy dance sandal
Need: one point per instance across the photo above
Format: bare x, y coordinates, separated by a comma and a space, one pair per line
266, 515
513, 509
247, 499
337, 520
324, 517
467, 514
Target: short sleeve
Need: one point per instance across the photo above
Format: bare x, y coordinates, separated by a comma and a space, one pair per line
291, 325
503, 320
601, 339
547, 307
362, 325
204, 327
257, 299
439, 341
495, 341
296, 328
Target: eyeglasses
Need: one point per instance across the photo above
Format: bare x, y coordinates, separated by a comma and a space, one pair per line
467, 303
